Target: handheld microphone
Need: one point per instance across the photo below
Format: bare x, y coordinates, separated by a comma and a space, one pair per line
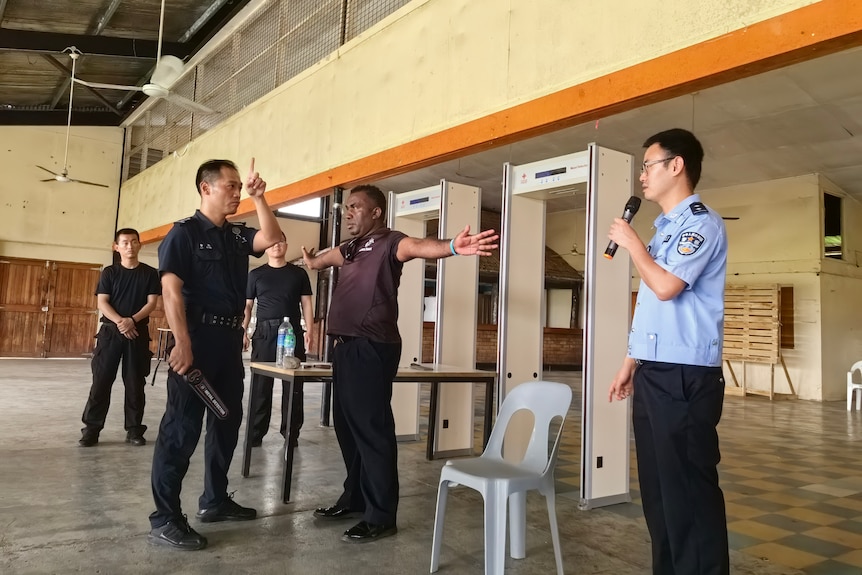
632, 207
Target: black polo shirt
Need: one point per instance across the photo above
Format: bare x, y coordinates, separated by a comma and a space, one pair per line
212, 262
365, 299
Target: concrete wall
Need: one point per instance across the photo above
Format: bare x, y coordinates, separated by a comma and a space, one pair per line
430, 66
53, 220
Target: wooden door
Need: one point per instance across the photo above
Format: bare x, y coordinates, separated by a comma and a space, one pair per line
47, 309
23, 307
72, 316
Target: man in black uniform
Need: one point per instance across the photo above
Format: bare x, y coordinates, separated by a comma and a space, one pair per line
203, 262
363, 321
279, 287
126, 295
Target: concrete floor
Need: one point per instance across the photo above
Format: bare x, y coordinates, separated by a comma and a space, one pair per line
66, 509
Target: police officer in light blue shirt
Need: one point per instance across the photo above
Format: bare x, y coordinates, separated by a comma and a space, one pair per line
673, 368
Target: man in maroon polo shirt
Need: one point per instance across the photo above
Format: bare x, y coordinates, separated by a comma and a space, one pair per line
363, 322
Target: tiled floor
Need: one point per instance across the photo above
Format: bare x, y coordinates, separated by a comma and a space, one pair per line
791, 472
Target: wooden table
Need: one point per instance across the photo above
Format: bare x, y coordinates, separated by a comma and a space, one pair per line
427, 373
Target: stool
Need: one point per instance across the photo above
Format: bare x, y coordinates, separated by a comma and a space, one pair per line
161, 350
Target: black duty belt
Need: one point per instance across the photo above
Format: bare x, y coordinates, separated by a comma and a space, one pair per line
344, 338
274, 321
229, 321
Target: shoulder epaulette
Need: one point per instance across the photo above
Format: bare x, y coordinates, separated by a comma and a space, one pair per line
183, 221
698, 208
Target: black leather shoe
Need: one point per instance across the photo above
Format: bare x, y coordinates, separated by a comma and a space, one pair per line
364, 532
135, 439
227, 510
177, 534
335, 512
88, 439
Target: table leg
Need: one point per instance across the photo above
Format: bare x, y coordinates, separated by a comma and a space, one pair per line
287, 472
246, 450
325, 403
432, 421
489, 412
158, 357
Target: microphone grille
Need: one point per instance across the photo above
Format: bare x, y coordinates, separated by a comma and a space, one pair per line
633, 205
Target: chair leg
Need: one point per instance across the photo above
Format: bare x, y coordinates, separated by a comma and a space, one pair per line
550, 499
442, 496
858, 399
518, 525
495, 531
849, 397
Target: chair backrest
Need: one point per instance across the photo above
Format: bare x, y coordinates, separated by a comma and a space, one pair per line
856, 366
546, 400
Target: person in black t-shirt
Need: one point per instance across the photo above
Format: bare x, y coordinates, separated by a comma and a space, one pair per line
363, 320
280, 288
126, 295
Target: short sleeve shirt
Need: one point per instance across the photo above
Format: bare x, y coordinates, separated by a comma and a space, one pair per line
691, 243
128, 289
278, 292
365, 299
211, 261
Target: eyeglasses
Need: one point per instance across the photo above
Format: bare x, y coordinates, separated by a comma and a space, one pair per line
645, 166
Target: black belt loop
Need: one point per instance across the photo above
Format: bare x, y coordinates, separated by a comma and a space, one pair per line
229, 321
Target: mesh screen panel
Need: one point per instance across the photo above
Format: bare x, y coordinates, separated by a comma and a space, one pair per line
280, 40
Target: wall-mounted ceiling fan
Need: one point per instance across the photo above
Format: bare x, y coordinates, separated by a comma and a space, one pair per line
63, 176
167, 71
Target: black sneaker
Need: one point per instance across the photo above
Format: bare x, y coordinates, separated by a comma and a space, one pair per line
177, 534
88, 439
135, 438
227, 510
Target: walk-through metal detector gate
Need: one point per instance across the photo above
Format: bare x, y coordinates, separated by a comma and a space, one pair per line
606, 177
456, 205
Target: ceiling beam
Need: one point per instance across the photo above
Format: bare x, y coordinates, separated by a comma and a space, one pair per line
204, 18
106, 17
68, 71
58, 93
27, 40
55, 118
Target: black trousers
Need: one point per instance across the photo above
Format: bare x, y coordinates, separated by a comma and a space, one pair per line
363, 372
111, 347
675, 412
263, 345
218, 354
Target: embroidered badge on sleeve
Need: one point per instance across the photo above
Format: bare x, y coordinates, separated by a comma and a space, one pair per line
689, 243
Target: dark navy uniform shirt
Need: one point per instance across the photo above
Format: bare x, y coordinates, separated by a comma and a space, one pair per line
212, 262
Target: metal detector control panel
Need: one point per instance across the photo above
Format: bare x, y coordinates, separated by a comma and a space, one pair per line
421, 204
560, 172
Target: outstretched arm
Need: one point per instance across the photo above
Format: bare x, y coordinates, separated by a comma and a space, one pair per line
327, 258
463, 244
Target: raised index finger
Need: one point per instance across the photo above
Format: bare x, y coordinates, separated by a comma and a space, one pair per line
251, 169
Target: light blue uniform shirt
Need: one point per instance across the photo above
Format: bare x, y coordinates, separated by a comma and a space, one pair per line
690, 242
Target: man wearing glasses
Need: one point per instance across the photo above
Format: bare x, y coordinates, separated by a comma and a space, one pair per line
673, 368
280, 288
363, 322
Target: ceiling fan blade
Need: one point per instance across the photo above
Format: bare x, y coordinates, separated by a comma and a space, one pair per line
47, 170
168, 70
49, 180
190, 105
731, 218
88, 183
108, 86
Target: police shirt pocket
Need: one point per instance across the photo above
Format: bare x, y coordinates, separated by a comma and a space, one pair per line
207, 261
651, 346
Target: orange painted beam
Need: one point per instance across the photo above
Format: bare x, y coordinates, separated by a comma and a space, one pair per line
816, 30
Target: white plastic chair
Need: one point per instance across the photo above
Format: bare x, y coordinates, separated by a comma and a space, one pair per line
500, 481
854, 387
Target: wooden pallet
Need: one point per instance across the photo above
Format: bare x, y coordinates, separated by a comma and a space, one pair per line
752, 334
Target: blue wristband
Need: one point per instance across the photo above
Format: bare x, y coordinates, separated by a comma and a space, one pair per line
452, 247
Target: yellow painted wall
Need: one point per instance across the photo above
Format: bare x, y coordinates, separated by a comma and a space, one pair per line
53, 220
430, 66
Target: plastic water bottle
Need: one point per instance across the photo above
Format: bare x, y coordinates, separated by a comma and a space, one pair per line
281, 341
289, 341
